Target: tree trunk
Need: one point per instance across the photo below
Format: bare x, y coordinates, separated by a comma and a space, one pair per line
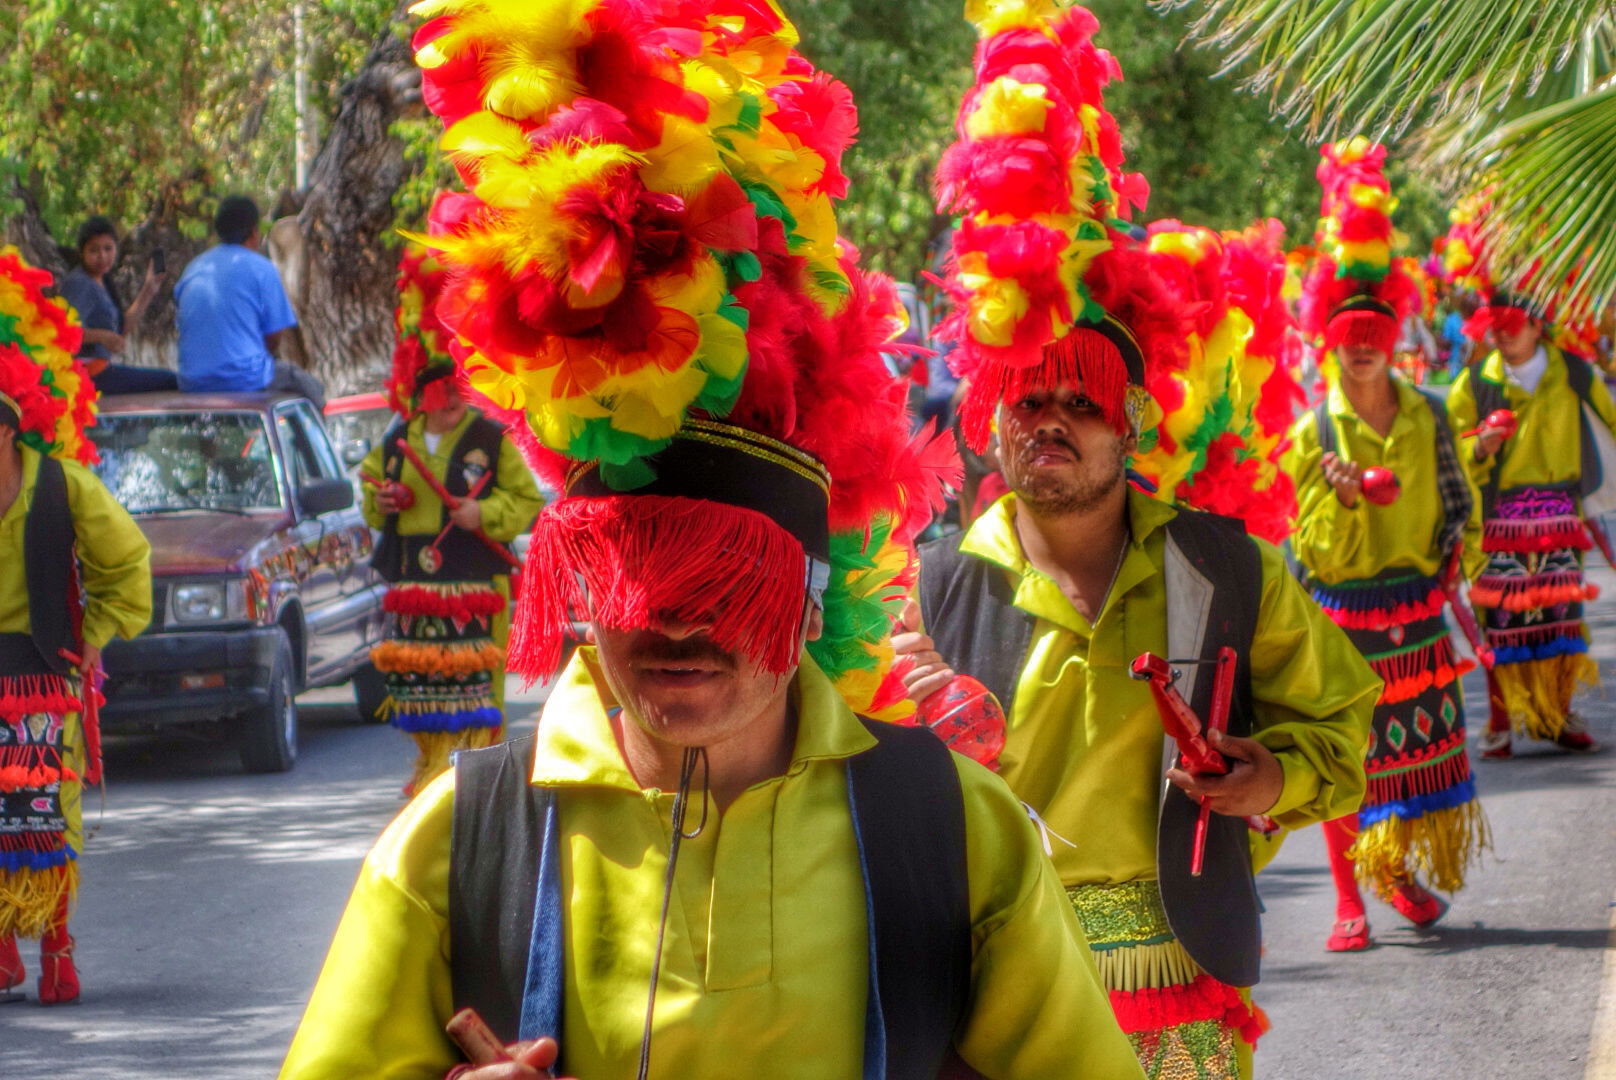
27, 230
337, 257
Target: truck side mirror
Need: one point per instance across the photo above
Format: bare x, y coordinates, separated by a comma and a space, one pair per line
323, 496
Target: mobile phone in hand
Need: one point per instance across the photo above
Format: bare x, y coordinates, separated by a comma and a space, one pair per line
159, 261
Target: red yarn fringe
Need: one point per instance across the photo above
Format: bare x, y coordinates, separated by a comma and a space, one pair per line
1529, 593
24, 695
33, 778
1411, 674
1403, 777
1204, 999
1535, 536
461, 604
640, 561
1401, 615
1083, 358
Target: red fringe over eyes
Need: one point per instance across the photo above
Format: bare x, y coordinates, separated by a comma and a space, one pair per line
634, 562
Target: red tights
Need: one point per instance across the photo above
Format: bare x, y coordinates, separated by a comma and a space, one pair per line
1338, 837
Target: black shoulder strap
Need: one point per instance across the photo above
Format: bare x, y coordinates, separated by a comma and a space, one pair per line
48, 540
910, 818
1321, 418
1489, 398
1452, 486
493, 880
387, 558
1217, 916
1580, 375
968, 605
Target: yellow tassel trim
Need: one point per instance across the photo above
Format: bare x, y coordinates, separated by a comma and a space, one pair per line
1537, 694
1440, 847
436, 748
30, 899
1146, 967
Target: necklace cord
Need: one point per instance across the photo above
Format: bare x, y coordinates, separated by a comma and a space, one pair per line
681, 800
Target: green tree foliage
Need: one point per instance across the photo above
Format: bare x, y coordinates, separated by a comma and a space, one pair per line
129, 107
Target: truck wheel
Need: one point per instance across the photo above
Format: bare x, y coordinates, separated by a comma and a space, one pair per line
269, 733
370, 691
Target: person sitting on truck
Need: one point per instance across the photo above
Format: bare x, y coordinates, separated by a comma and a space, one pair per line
233, 311
89, 290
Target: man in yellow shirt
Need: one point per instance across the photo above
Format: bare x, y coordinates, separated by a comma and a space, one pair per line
61, 534
713, 859
448, 608
1049, 598
1532, 481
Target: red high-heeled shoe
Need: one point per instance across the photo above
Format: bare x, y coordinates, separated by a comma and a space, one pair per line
58, 978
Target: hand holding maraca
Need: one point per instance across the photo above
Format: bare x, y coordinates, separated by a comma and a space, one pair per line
1493, 431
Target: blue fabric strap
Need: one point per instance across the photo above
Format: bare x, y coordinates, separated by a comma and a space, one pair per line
546, 974
875, 1028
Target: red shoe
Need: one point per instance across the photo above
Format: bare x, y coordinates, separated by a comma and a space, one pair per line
1349, 935
58, 978
12, 972
1414, 903
1574, 737
1495, 745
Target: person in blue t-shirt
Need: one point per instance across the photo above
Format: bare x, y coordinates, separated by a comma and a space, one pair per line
232, 312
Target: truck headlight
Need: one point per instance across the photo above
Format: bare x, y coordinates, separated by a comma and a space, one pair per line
208, 601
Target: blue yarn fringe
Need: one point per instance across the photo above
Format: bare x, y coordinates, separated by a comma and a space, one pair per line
440, 723
1419, 805
12, 861
1522, 654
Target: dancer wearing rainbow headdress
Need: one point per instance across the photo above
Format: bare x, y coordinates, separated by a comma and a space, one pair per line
714, 858
1066, 330
1379, 568
62, 536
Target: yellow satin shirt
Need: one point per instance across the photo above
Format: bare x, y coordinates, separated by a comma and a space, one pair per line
764, 971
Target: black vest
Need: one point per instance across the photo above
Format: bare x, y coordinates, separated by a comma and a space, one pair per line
968, 608
48, 540
464, 557
911, 829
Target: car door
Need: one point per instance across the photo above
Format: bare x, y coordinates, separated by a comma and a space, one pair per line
324, 547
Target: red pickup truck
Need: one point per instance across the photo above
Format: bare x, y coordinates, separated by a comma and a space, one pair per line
262, 584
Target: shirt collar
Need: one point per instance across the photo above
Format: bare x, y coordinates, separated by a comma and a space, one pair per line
1408, 400
993, 535
18, 509
577, 746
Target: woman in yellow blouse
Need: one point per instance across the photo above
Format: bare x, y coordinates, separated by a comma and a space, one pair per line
1377, 568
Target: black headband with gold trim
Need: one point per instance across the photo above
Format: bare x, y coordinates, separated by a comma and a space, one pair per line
722, 463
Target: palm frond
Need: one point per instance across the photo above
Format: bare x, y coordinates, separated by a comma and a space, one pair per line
1553, 178
1381, 65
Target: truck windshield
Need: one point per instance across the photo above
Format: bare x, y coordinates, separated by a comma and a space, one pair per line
172, 462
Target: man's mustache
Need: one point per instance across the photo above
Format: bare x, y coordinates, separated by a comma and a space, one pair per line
653, 648
1031, 446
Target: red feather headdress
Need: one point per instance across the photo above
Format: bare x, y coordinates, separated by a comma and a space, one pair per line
1356, 293
40, 380
1047, 288
646, 279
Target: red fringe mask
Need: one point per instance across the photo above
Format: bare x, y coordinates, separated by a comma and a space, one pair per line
634, 562
1083, 357
1370, 328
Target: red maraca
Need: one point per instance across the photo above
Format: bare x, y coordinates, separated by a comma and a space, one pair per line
1380, 486
967, 717
1502, 419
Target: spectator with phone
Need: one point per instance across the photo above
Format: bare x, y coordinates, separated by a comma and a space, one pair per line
88, 288
233, 311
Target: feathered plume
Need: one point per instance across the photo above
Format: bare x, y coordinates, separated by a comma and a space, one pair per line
38, 337
1463, 249
1036, 178
1355, 240
649, 235
1226, 411
424, 345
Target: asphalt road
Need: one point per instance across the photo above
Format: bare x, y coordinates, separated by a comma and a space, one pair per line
209, 898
